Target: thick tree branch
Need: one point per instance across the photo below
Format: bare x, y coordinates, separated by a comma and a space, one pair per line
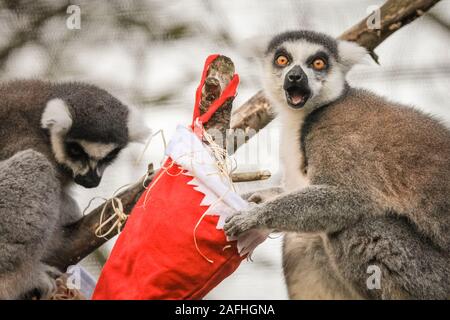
394, 15
254, 115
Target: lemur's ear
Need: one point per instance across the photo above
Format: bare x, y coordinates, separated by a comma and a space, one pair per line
138, 131
350, 53
56, 116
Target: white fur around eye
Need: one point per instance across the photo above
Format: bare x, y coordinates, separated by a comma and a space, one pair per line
56, 116
350, 53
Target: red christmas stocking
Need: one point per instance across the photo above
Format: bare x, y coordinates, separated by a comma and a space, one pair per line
173, 245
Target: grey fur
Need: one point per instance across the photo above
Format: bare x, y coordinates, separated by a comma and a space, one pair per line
34, 205
29, 210
310, 36
377, 193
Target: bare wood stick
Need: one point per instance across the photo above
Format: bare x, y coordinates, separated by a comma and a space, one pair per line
219, 76
394, 15
254, 114
251, 176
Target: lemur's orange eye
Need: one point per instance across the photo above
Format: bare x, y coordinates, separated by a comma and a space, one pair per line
319, 64
282, 61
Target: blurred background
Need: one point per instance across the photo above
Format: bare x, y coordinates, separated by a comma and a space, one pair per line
150, 54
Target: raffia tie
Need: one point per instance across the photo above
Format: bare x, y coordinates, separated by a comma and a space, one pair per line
225, 167
117, 219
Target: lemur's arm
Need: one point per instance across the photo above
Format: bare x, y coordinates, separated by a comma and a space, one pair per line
29, 210
318, 208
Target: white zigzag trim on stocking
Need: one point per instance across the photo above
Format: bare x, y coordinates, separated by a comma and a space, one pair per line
186, 149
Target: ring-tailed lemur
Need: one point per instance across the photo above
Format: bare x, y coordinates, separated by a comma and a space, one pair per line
367, 181
50, 136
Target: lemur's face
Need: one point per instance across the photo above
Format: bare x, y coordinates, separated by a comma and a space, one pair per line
86, 160
87, 131
304, 69
81, 151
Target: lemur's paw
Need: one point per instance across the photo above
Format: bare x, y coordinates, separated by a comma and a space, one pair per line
46, 284
239, 223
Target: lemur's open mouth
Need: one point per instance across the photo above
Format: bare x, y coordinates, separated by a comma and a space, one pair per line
297, 96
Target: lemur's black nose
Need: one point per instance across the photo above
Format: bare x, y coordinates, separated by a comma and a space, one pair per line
296, 74
89, 180
294, 77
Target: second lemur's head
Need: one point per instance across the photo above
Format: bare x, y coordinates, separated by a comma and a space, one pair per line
305, 69
88, 128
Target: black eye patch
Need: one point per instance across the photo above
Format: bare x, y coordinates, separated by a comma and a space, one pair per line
319, 55
111, 156
74, 150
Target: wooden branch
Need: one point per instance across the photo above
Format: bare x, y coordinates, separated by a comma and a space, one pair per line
250, 176
254, 115
219, 76
394, 15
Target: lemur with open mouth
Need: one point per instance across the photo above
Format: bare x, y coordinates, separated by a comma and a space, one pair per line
367, 180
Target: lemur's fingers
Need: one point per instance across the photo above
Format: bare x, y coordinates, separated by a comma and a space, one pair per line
46, 287
239, 223
256, 198
45, 283
262, 195
52, 271
249, 195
